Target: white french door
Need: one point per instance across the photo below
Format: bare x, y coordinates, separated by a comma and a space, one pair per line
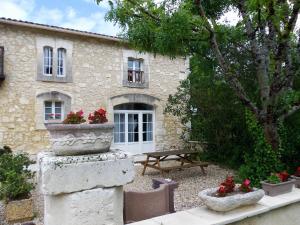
134, 131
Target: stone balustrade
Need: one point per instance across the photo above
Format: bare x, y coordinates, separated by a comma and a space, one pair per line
280, 210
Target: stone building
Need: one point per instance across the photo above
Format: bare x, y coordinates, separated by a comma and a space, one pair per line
47, 71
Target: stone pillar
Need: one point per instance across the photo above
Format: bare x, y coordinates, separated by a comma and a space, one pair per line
86, 189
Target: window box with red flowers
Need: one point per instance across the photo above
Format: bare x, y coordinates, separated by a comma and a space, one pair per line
76, 137
229, 196
297, 177
278, 183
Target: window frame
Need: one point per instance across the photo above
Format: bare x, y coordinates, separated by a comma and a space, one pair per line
48, 57
134, 70
63, 60
53, 107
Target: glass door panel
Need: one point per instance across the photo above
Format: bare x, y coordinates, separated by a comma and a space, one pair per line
133, 127
119, 130
147, 127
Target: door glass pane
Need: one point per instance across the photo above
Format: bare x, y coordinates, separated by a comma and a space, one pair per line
147, 127
119, 129
133, 127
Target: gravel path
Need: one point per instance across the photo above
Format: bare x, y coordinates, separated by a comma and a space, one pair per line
191, 181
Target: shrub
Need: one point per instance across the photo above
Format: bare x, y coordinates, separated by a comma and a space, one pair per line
74, 118
262, 160
99, 116
15, 177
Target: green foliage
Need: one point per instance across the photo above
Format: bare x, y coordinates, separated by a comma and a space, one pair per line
273, 179
15, 177
262, 161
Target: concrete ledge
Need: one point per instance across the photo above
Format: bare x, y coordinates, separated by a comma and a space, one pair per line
279, 210
68, 174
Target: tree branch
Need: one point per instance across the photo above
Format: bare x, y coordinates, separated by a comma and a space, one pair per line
295, 108
230, 77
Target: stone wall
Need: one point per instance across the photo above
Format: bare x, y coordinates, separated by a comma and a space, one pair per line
97, 77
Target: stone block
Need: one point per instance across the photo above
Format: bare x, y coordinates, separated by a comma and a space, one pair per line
101, 206
67, 174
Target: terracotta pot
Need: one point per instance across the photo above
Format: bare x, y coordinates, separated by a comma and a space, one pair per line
19, 211
297, 181
80, 139
277, 189
227, 203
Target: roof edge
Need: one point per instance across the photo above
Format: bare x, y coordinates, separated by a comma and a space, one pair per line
58, 29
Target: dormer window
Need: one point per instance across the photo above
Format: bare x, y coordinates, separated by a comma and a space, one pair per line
61, 62
135, 70
48, 61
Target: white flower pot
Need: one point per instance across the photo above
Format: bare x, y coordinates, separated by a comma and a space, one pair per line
80, 139
227, 203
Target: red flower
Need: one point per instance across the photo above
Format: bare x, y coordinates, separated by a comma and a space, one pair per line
229, 184
222, 191
99, 116
283, 176
245, 186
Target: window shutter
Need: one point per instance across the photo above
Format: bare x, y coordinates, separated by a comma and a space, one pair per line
1, 63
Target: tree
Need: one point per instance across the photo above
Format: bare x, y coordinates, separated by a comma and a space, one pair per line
262, 47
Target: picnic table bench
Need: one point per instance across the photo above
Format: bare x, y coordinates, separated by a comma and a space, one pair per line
154, 160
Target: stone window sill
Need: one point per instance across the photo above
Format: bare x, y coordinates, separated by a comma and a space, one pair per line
135, 85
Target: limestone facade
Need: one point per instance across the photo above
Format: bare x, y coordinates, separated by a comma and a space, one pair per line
95, 77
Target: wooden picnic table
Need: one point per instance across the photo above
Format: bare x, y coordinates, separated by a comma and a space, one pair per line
154, 160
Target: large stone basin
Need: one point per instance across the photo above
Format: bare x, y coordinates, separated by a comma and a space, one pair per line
80, 139
227, 203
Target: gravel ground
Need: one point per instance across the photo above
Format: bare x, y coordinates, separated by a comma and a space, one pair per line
191, 181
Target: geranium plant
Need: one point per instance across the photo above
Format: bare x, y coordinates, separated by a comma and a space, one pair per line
245, 186
74, 118
226, 187
99, 116
276, 178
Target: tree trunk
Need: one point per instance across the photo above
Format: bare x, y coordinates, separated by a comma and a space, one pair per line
271, 134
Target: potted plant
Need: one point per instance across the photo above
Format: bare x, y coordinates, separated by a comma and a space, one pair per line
278, 183
75, 137
296, 177
16, 186
229, 196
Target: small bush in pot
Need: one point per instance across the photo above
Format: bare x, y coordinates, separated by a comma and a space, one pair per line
74, 118
278, 183
98, 116
297, 177
16, 186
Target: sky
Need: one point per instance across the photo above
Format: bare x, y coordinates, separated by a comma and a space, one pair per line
83, 15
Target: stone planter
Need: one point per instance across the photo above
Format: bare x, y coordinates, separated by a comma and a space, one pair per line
19, 211
227, 203
80, 139
297, 181
277, 189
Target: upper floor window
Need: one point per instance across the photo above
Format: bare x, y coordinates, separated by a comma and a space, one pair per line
53, 111
61, 62
54, 59
135, 70
48, 61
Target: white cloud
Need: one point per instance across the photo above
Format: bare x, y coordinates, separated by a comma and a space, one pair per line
46, 15
16, 9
